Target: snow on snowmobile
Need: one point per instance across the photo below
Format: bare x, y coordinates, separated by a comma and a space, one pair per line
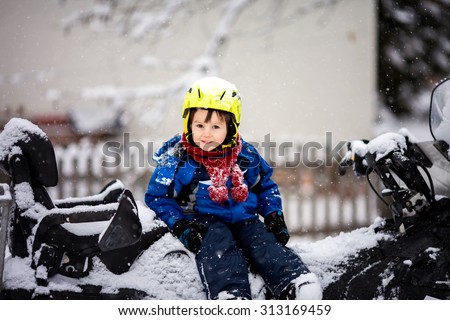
62, 236
413, 262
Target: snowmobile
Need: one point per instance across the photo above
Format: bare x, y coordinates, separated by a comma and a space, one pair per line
63, 236
109, 246
413, 260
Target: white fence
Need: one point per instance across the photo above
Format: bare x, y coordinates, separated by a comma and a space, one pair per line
317, 201
84, 170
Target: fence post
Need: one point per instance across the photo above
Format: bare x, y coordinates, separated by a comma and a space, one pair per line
5, 202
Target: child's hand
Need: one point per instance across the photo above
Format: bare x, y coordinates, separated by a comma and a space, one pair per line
190, 233
275, 223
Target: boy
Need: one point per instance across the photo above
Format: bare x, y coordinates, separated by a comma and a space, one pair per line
209, 188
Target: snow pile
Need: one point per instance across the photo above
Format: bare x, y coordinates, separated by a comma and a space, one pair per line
17, 129
385, 144
117, 184
327, 257
23, 195
381, 145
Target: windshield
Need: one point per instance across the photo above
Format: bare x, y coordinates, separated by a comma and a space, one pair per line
440, 112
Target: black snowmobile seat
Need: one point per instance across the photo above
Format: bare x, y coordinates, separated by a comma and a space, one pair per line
62, 249
41, 158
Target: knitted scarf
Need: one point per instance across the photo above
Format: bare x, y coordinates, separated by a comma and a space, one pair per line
220, 165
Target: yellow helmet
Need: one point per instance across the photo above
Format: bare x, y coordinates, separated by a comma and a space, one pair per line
212, 93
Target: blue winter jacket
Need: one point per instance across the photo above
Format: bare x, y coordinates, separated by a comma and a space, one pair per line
179, 185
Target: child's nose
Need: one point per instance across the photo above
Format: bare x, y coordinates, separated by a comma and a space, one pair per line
207, 132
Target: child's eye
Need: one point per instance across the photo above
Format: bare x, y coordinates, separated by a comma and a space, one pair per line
216, 127
199, 126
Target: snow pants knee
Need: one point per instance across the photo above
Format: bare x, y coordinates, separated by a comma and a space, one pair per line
228, 249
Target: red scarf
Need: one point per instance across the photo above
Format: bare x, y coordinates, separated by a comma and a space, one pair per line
220, 165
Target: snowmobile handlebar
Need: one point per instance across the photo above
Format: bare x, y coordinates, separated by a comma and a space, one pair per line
396, 162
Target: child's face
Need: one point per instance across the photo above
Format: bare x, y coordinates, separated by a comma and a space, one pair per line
208, 135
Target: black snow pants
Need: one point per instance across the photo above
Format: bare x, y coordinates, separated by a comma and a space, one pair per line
227, 250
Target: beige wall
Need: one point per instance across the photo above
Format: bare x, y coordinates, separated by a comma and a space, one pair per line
305, 77
316, 75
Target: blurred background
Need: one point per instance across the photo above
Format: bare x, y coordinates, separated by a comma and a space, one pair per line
105, 80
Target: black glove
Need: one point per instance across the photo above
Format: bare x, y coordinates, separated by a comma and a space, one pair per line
190, 233
274, 222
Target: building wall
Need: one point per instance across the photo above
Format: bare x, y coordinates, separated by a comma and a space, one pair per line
309, 75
